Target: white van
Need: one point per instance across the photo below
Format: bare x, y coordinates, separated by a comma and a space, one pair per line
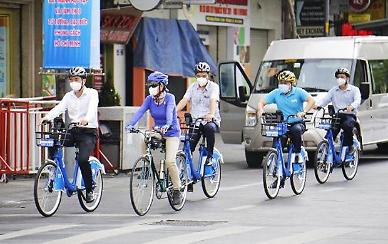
314, 61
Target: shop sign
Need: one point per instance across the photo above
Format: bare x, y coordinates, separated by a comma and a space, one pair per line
71, 34
310, 31
359, 5
310, 18
358, 18
118, 28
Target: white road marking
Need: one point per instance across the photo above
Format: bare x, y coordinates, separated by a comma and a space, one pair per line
105, 233
36, 230
241, 207
310, 236
81, 215
204, 235
232, 188
333, 189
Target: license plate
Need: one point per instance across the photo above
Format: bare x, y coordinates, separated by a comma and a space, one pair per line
47, 142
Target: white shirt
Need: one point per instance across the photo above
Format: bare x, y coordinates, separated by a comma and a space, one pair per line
84, 106
342, 98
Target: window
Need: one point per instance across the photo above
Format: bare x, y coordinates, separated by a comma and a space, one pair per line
379, 70
359, 74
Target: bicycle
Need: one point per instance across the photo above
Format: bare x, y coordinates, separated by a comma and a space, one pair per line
144, 173
210, 176
275, 169
52, 179
327, 156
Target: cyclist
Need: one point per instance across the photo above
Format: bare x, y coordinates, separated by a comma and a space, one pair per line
161, 105
344, 95
203, 96
289, 100
81, 104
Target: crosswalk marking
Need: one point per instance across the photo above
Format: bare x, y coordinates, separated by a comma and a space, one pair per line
232, 188
204, 235
310, 236
36, 230
241, 207
106, 233
333, 189
82, 215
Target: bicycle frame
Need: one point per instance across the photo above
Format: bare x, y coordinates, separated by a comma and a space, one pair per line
194, 173
284, 165
332, 152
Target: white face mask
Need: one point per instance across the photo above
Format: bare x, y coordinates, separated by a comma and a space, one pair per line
153, 91
284, 88
76, 86
341, 81
202, 81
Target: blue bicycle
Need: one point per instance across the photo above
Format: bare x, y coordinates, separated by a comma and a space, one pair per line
51, 179
327, 156
209, 175
275, 169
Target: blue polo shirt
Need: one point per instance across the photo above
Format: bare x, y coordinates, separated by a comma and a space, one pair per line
289, 104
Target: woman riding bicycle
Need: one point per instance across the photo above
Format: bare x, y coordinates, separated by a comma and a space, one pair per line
289, 100
161, 105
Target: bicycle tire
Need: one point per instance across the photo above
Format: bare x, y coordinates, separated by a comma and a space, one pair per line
353, 166
97, 192
322, 168
182, 169
50, 169
211, 181
270, 170
142, 170
299, 176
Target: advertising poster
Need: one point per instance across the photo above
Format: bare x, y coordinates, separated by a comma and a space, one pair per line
3, 56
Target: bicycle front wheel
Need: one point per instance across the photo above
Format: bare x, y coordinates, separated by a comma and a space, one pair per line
298, 177
182, 169
211, 178
142, 186
98, 186
271, 176
322, 167
46, 198
349, 168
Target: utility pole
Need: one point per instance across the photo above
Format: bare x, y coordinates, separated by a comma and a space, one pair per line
327, 24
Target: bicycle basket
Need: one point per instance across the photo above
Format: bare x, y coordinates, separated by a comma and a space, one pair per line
50, 139
156, 143
327, 123
274, 129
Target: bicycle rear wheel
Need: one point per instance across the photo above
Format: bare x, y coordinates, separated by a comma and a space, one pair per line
211, 178
322, 168
271, 177
46, 199
142, 186
349, 169
298, 177
182, 169
98, 186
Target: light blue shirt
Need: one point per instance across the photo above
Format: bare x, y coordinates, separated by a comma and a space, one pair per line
342, 98
290, 103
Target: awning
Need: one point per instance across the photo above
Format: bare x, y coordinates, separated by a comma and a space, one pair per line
169, 46
372, 24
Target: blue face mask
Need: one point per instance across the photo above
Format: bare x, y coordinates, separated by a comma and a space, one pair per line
284, 88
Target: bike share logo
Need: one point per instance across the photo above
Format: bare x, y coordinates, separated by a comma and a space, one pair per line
359, 5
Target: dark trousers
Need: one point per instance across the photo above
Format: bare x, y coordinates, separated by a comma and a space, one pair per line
208, 130
347, 123
295, 133
85, 139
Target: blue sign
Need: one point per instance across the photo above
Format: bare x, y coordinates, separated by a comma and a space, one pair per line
71, 30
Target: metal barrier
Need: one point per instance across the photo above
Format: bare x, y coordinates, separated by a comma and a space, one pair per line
18, 121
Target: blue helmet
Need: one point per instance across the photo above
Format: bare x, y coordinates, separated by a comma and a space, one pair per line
158, 77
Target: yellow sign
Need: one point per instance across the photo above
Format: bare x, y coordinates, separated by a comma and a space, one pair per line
358, 18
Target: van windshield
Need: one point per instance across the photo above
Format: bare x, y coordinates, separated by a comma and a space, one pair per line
314, 75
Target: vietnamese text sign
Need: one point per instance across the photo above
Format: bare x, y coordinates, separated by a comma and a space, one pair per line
71, 30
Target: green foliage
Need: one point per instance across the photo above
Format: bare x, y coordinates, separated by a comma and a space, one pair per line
108, 96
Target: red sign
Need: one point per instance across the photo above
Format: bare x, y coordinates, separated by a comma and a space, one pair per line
359, 5
117, 28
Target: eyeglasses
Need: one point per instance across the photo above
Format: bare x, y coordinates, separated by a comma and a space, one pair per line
153, 85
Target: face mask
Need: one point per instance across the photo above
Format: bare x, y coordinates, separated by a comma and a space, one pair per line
153, 91
341, 81
284, 88
76, 86
202, 81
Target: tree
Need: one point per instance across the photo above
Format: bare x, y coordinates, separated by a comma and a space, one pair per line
290, 19
108, 96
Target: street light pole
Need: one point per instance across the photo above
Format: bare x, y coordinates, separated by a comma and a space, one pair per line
327, 25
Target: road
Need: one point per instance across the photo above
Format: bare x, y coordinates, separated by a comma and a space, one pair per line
339, 211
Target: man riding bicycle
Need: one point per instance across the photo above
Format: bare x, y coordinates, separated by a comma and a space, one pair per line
344, 96
203, 96
289, 100
81, 104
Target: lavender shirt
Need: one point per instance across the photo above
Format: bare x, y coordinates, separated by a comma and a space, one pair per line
163, 114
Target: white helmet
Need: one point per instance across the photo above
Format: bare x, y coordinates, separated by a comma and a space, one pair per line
77, 71
202, 67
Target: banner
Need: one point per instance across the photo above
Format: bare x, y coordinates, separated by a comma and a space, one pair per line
71, 30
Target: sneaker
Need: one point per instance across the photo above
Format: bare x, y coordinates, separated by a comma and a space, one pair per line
275, 183
89, 197
190, 187
209, 161
176, 197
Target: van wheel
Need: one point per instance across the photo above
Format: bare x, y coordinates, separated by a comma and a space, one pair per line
382, 147
254, 159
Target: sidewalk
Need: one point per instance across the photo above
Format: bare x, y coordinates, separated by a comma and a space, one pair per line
17, 192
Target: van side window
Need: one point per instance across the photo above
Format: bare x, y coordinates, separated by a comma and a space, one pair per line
379, 70
359, 74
